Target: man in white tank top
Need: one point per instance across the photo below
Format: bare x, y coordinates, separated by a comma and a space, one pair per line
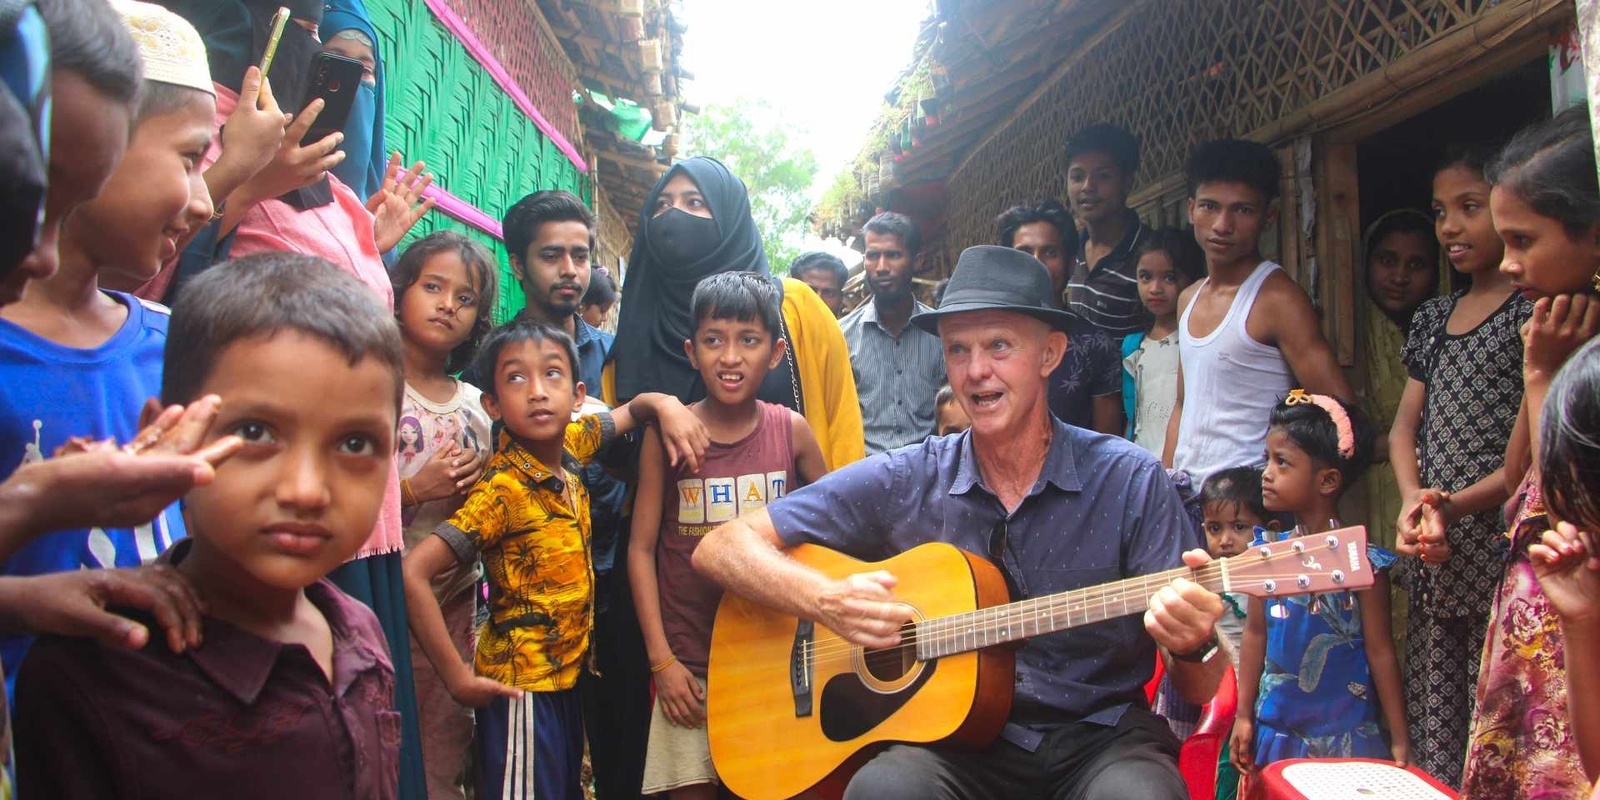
1247, 331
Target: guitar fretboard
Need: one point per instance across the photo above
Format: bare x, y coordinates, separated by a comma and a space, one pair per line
985, 627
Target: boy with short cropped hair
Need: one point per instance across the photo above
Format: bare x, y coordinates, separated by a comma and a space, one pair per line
758, 452
1247, 332
291, 692
81, 361
528, 519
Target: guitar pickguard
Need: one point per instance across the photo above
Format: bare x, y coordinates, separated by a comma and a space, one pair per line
850, 708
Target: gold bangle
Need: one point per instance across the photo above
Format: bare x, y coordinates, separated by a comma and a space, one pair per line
407, 497
656, 668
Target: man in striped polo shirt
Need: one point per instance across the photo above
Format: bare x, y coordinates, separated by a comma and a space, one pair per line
898, 367
1103, 290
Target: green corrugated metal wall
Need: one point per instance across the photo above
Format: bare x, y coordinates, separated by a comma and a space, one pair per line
443, 108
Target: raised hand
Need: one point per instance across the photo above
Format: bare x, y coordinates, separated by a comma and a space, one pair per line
295, 167
251, 137
98, 484
399, 204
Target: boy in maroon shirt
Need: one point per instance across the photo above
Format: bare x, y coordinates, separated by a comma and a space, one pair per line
290, 693
758, 452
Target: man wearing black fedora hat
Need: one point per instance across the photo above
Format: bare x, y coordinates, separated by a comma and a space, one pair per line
1055, 507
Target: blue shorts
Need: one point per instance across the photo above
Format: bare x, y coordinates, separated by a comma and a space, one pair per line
531, 748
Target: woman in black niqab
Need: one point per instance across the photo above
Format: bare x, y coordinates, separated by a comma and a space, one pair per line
674, 251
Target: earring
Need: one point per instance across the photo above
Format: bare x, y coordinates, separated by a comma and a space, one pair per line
1594, 280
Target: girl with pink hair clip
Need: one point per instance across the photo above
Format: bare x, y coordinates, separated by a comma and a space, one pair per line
1318, 676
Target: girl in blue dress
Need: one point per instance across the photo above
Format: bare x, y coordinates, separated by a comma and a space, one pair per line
1318, 676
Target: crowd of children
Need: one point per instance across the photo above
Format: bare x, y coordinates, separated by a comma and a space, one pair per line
243, 472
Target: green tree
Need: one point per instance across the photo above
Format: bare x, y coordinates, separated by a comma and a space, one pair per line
752, 138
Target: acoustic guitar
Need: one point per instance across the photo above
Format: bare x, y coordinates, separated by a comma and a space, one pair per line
790, 703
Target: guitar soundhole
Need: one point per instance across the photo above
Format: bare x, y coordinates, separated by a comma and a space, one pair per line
890, 664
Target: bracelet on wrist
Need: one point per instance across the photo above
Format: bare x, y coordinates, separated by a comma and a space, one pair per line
657, 668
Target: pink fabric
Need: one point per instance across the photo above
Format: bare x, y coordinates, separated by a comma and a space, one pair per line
480, 52
464, 211
342, 233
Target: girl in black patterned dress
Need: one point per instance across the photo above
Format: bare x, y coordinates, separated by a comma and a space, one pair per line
1464, 357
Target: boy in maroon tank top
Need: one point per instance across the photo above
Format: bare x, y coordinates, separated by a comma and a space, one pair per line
758, 451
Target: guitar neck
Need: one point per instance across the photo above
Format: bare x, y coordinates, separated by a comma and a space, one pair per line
995, 625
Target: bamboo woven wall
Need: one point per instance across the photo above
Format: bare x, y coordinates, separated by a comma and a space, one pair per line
1185, 71
528, 50
444, 108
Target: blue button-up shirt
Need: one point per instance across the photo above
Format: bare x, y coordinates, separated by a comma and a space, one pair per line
897, 378
1101, 510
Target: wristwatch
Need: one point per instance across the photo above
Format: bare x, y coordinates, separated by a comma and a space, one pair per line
1203, 654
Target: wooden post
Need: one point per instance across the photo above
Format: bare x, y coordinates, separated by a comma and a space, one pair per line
1589, 32
1338, 243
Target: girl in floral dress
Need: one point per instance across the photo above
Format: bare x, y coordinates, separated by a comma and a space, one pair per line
1546, 206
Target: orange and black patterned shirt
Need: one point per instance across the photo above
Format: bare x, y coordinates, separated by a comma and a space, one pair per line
530, 524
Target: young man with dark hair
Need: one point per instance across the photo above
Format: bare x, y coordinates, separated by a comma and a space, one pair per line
1237, 366
1103, 291
898, 368
550, 240
1045, 231
1086, 388
825, 274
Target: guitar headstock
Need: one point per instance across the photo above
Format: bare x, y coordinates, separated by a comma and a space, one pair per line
1332, 561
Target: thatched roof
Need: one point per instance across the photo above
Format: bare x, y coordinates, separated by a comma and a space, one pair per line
625, 50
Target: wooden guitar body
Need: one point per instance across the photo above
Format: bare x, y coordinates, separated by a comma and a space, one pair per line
777, 732
789, 703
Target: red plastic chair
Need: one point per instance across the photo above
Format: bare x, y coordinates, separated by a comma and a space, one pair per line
1197, 760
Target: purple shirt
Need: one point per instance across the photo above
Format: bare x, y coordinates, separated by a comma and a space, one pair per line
240, 717
1101, 510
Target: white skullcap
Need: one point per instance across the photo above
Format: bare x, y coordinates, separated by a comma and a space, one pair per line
172, 49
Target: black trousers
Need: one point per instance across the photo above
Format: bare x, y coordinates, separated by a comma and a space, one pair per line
616, 703
1081, 761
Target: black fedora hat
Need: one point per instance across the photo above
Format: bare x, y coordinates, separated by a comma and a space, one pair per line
993, 278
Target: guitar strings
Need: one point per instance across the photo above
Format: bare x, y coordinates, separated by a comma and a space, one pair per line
1102, 595
837, 646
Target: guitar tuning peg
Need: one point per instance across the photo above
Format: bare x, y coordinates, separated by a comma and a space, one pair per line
1278, 610
1347, 601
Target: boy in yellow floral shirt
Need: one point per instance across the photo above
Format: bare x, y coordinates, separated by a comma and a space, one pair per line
528, 519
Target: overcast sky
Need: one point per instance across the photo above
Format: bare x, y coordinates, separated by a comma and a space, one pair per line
826, 64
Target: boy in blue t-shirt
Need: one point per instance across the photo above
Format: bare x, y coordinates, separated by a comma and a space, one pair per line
78, 361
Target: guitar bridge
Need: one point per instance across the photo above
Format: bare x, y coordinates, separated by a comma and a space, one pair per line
800, 666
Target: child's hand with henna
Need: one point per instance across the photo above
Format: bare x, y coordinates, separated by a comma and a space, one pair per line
1568, 567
